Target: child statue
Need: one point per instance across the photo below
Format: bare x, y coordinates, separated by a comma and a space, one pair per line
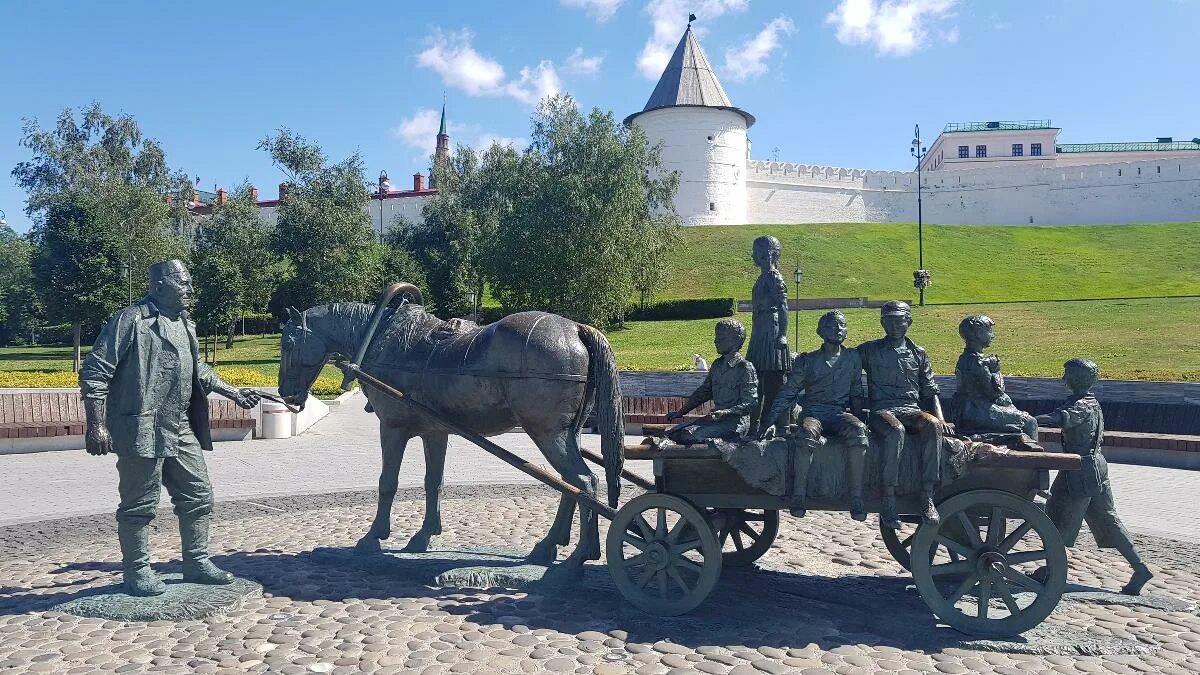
982, 404
731, 385
1086, 493
768, 349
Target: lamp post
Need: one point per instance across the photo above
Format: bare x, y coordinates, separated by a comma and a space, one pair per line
921, 275
383, 185
797, 275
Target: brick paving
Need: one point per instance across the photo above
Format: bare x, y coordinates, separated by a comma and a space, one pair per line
316, 618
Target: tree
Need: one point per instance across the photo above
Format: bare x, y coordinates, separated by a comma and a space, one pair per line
19, 306
446, 242
324, 229
592, 193
234, 266
97, 193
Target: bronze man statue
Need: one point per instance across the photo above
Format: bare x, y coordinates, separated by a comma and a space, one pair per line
145, 394
902, 394
827, 383
768, 349
731, 385
982, 404
1086, 493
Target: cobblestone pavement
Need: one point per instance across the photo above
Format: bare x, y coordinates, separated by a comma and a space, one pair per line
341, 453
318, 618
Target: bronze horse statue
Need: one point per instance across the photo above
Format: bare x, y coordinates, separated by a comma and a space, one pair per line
535, 370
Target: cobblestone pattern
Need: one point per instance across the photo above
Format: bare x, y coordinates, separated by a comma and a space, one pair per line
317, 618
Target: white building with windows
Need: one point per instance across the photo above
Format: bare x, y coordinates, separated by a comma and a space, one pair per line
981, 173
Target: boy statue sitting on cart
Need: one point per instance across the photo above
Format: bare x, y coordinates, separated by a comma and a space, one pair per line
731, 385
827, 383
1086, 493
903, 397
982, 404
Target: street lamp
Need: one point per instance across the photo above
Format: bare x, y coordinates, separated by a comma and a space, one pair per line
383, 190
921, 275
797, 275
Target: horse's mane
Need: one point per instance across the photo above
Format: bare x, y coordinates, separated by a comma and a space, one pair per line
346, 322
405, 326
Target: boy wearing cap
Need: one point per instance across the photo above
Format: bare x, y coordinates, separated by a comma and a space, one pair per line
731, 385
1086, 493
827, 383
901, 390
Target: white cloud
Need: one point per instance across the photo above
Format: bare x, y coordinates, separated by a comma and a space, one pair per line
578, 64
668, 19
485, 141
748, 59
535, 84
452, 56
600, 10
897, 27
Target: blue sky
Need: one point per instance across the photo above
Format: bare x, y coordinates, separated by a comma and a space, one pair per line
837, 82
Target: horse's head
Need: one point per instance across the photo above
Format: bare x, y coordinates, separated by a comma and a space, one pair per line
302, 354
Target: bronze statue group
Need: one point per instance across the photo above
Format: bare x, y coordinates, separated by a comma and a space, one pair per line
756, 397
145, 391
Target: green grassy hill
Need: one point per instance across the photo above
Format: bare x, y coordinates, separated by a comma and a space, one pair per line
969, 263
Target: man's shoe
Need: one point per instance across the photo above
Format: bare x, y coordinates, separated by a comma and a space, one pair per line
143, 582
929, 512
887, 514
858, 510
1141, 574
203, 571
797, 509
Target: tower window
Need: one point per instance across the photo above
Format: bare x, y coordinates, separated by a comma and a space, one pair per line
710, 138
981, 151
712, 206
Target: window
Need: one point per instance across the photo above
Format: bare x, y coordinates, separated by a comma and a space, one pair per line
1118, 172
710, 138
964, 151
712, 206
1018, 150
1035, 149
981, 151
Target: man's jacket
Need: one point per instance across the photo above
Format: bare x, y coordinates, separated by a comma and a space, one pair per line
134, 369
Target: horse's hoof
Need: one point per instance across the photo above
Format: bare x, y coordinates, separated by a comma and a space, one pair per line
368, 544
418, 544
543, 554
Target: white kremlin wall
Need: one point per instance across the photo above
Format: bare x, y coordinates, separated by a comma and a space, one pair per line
1162, 190
707, 146
405, 205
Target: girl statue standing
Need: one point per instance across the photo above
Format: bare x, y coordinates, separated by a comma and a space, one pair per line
768, 349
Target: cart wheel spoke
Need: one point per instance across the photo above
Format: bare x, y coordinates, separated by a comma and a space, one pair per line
954, 547
971, 529
754, 530
1023, 580
637, 560
960, 567
678, 530
907, 541
749, 531
662, 583
995, 530
689, 565
660, 528
680, 549
985, 598
962, 589
645, 577
644, 527
1014, 537
677, 578
1007, 596
636, 542
1025, 557
737, 540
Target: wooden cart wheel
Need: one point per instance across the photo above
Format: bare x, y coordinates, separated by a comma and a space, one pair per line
899, 542
662, 554
744, 534
990, 590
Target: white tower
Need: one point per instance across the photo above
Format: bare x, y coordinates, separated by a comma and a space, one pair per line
703, 137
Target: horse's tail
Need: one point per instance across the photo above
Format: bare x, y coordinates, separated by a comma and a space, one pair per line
603, 382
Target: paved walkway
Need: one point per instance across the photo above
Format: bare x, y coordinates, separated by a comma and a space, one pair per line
341, 453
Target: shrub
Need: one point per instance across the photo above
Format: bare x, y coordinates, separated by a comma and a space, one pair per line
682, 310
37, 379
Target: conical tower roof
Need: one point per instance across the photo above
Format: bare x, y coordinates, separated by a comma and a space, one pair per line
689, 81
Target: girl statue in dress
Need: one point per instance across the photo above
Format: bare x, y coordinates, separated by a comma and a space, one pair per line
768, 349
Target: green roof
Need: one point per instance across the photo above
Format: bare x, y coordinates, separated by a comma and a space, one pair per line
1126, 147
1023, 125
